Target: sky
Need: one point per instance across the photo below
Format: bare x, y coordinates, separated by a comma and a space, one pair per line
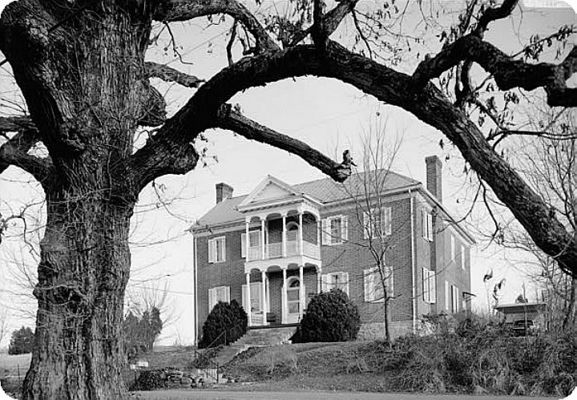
326, 114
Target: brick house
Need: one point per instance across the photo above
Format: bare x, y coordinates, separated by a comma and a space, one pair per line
281, 244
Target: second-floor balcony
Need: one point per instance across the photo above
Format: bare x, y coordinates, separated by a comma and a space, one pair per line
275, 250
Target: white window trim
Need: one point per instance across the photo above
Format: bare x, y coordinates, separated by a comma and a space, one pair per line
326, 281
327, 237
447, 296
429, 286
454, 299
213, 296
212, 250
371, 277
386, 222
243, 241
427, 225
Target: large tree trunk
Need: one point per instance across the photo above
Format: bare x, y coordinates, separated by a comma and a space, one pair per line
84, 268
80, 66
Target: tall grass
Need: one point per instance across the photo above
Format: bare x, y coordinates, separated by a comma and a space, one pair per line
479, 357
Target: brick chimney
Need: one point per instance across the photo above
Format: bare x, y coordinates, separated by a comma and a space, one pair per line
223, 192
435, 176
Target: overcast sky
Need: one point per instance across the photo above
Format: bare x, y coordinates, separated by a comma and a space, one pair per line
326, 114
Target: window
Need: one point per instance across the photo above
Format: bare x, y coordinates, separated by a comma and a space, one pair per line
377, 222
429, 286
454, 299
217, 250
254, 237
427, 225
216, 294
374, 288
452, 247
463, 257
335, 280
335, 230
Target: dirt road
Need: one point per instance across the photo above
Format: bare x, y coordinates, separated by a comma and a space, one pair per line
244, 395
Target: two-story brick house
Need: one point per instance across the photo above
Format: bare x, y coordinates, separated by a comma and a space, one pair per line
281, 244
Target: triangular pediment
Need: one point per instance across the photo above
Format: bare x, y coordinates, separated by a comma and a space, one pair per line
270, 189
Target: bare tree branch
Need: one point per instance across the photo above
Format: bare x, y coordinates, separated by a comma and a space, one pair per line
15, 150
169, 74
508, 72
331, 20
183, 10
228, 118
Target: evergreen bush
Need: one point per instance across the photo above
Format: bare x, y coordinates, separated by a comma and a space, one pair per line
225, 324
329, 317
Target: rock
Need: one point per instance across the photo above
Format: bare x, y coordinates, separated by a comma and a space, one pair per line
185, 381
479, 390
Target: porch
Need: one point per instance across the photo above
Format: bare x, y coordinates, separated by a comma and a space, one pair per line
278, 296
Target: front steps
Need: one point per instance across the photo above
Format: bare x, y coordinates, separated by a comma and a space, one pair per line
259, 337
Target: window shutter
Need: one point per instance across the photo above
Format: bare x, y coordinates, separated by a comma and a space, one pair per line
344, 228
433, 286
227, 293
324, 282
211, 299
243, 245
452, 247
344, 277
388, 221
367, 284
390, 281
244, 298
366, 225
462, 257
211, 250
425, 285
447, 296
430, 226
325, 234
423, 224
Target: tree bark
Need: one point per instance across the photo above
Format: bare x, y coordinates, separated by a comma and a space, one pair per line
81, 69
83, 272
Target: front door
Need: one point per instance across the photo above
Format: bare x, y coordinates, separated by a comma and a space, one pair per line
293, 300
256, 303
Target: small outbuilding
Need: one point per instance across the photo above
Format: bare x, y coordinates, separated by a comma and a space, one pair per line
524, 318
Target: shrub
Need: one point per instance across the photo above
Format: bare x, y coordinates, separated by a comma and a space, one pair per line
225, 324
329, 317
149, 380
21, 342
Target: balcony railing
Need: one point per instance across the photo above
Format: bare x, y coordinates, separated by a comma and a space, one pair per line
274, 250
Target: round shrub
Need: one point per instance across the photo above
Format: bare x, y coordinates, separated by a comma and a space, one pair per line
224, 317
329, 317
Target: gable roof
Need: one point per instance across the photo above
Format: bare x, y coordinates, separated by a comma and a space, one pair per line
324, 190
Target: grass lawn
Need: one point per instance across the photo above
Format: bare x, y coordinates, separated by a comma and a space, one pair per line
14, 365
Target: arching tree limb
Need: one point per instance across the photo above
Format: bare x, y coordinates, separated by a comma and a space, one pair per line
228, 118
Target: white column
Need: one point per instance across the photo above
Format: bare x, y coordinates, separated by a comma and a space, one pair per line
267, 294
248, 305
262, 226
263, 306
284, 298
319, 279
301, 291
247, 240
284, 235
319, 227
301, 233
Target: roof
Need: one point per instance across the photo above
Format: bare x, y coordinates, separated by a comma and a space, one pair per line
521, 308
324, 190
